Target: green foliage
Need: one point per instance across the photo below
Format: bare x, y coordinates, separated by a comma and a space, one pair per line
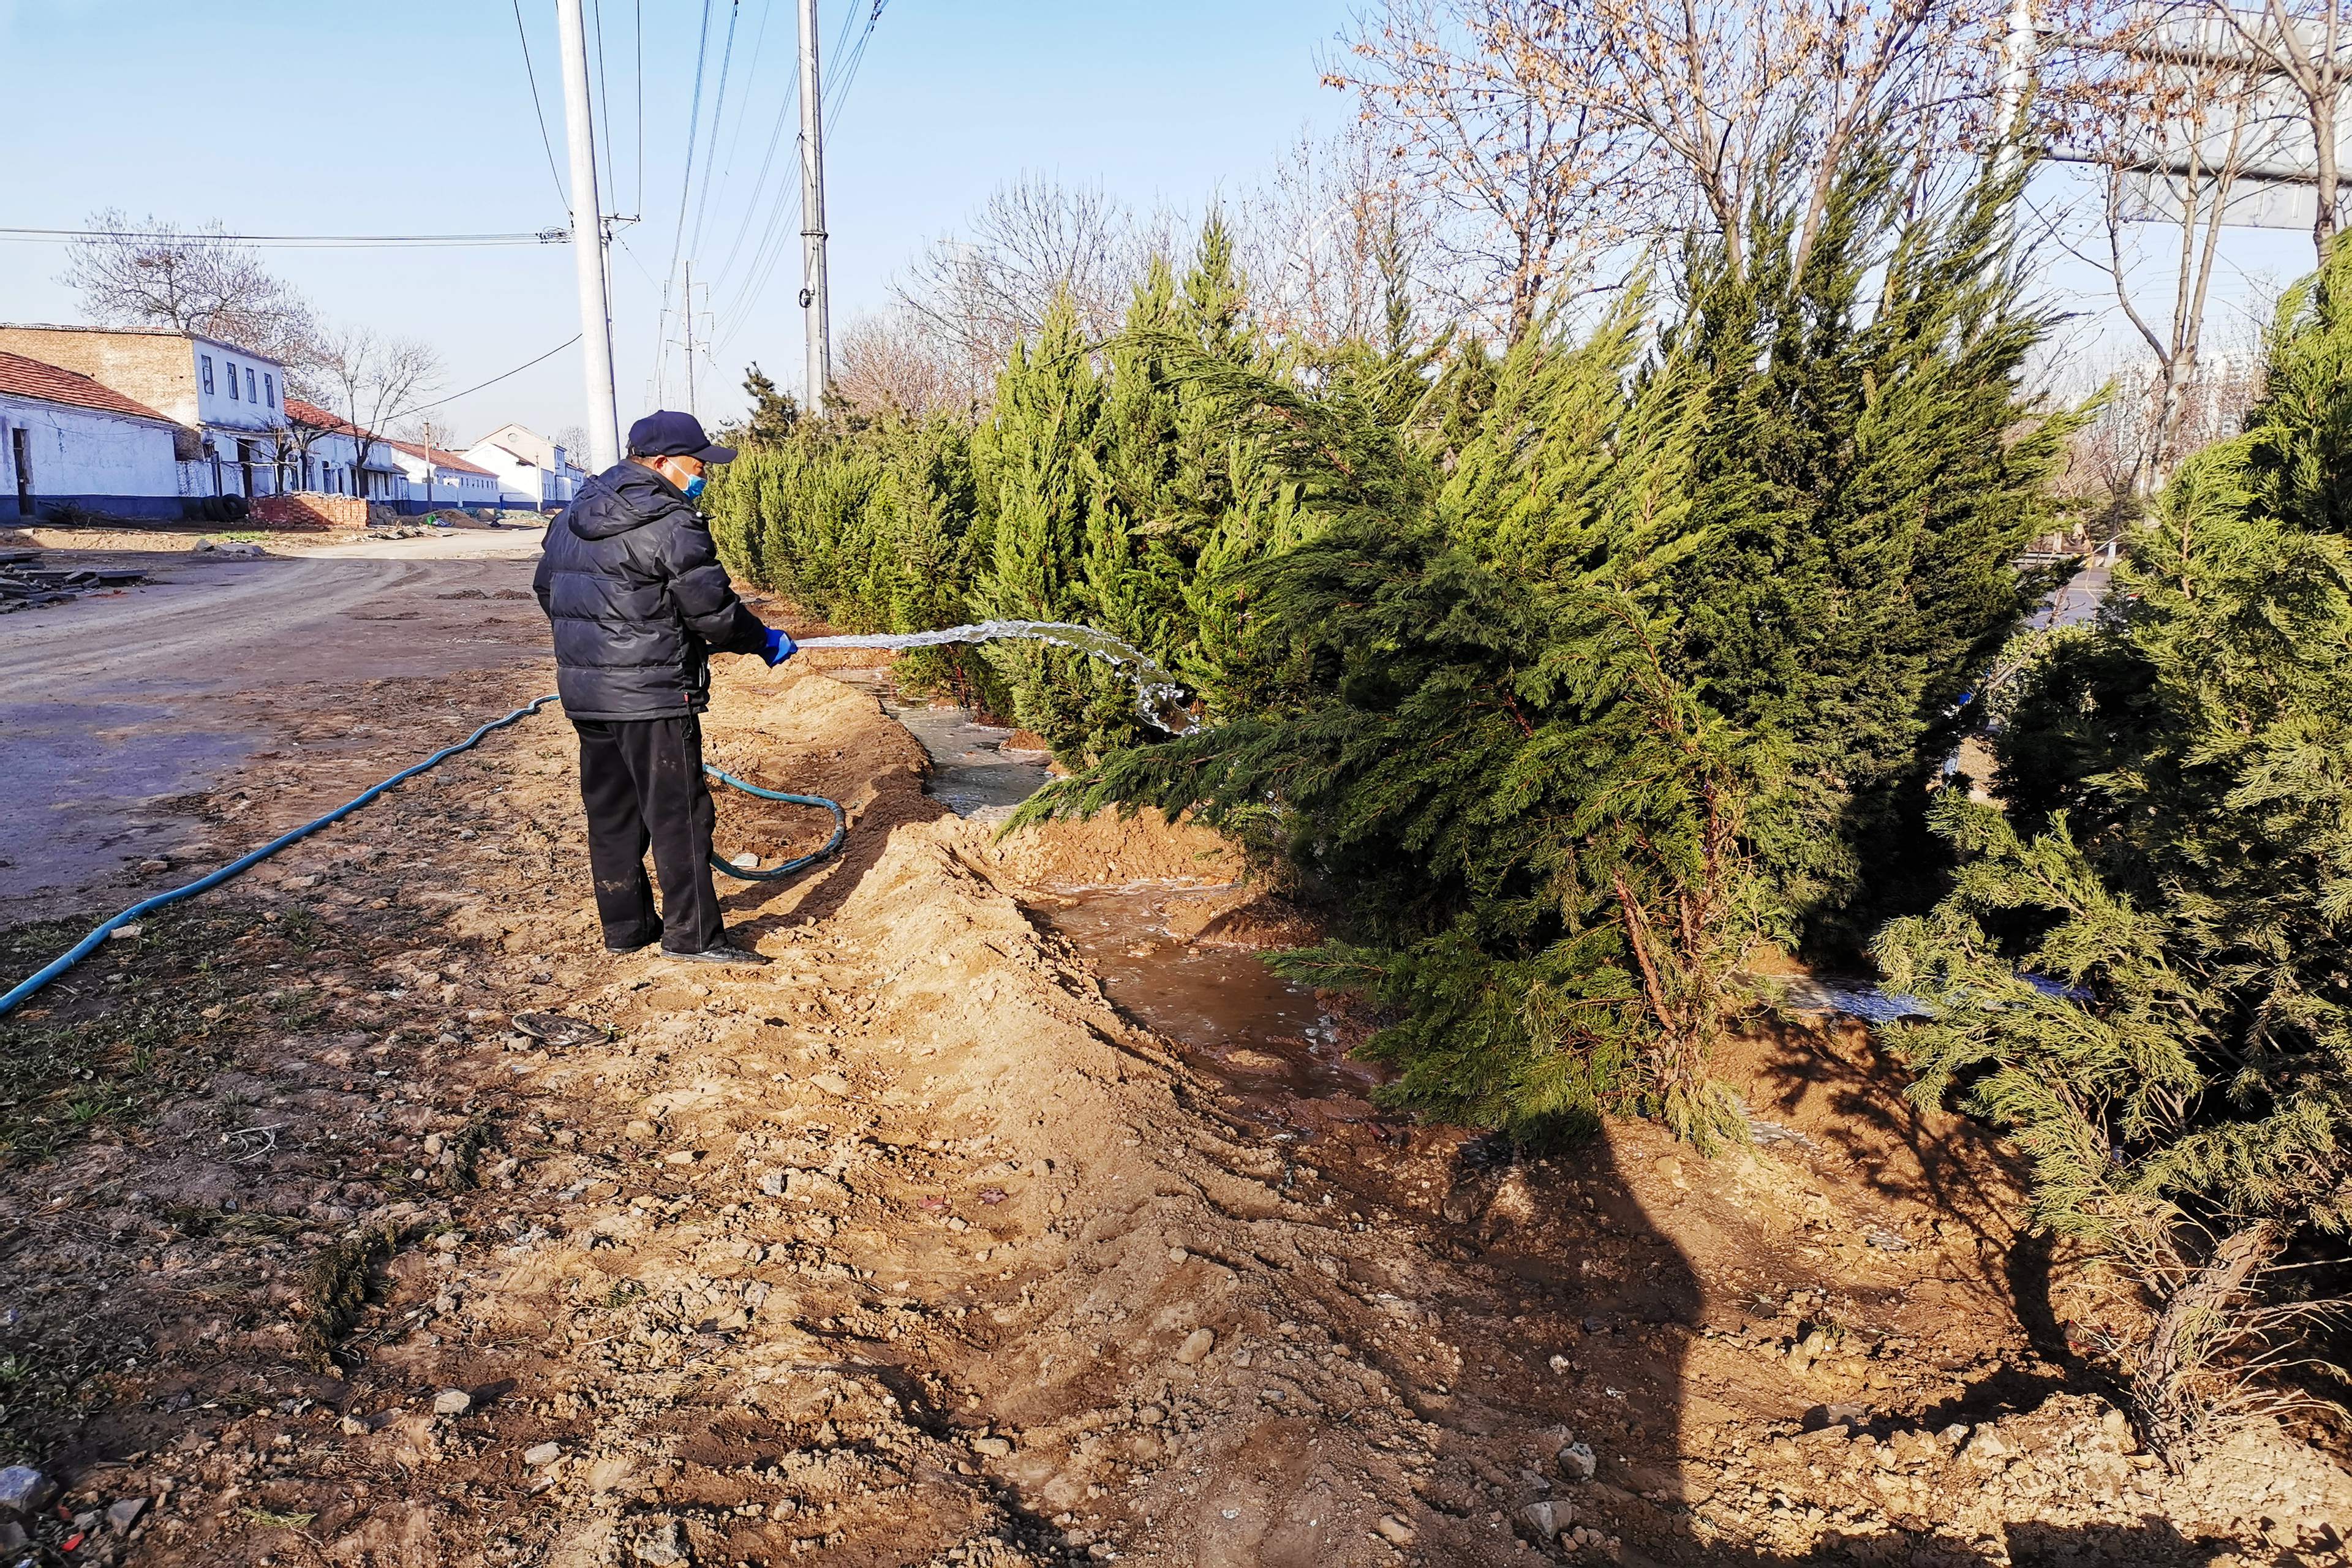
1568, 673
1588, 667
775, 415
1869, 477
2181, 859
872, 530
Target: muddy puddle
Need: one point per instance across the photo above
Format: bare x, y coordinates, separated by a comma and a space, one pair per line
92, 782
973, 773
1266, 1039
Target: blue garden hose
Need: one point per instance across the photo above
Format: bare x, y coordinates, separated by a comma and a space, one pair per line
840, 830
211, 879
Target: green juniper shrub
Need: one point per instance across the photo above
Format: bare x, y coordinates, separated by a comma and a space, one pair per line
2178, 860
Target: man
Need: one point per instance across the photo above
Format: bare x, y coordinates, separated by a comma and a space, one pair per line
633, 586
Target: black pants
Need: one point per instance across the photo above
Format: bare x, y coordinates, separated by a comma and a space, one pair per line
641, 782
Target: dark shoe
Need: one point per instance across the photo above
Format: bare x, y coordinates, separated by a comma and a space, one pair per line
638, 946
718, 953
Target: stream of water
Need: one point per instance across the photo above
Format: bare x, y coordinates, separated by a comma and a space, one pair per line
1156, 696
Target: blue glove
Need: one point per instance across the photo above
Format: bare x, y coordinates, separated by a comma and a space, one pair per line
779, 647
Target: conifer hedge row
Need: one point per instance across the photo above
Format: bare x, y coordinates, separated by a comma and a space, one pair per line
1566, 677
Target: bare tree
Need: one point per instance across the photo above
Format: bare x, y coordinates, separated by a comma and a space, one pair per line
2176, 339
370, 382
1574, 125
155, 274
1724, 94
2302, 42
2179, 124
1330, 238
888, 361
1474, 110
988, 288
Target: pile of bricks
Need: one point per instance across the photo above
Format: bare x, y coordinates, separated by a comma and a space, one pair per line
303, 510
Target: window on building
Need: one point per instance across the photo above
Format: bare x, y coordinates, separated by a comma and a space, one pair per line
269, 390
207, 367
249, 386
232, 381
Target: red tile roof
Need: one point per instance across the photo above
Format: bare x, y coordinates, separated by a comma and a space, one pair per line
441, 459
318, 419
22, 377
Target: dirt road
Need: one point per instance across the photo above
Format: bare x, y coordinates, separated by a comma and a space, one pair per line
368, 1213
118, 706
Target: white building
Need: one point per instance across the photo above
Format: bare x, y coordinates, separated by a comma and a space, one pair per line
438, 477
66, 440
533, 471
229, 401
330, 456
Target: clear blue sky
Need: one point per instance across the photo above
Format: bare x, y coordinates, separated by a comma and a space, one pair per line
275, 117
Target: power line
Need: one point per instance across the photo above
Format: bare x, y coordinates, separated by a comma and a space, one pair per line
717, 119
532, 77
839, 92
752, 74
605, 103
684, 190
760, 186
555, 235
496, 379
764, 261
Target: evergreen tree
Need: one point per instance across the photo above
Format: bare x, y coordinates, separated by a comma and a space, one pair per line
1867, 476
2180, 863
775, 415
1041, 472
1569, 684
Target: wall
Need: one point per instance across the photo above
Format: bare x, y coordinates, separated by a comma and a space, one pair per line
146, 367
162, 371
520, 481
218, 409
104, 461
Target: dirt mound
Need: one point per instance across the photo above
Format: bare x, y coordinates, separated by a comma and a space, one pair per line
910, 1249
1110, 850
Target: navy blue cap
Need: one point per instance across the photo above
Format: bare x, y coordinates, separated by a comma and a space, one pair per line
667, 433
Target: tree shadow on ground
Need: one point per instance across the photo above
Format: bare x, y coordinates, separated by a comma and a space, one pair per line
1624, 1288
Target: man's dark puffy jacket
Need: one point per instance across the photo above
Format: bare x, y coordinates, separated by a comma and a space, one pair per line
632, 584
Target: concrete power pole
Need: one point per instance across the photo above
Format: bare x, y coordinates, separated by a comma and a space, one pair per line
2017, 57
818, 322
588, 244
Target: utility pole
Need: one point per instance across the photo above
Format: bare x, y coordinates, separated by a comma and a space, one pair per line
2018, 52
588, 243
818, 321
689, 341
429, 465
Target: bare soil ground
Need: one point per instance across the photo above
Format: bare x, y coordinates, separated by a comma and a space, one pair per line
366, 1211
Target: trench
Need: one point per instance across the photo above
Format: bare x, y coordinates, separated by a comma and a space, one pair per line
1270, 1042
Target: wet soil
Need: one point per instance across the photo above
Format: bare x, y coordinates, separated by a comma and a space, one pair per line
1268, 1041
915, 1247
972, 770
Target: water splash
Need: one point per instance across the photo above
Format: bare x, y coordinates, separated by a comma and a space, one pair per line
1156, 696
